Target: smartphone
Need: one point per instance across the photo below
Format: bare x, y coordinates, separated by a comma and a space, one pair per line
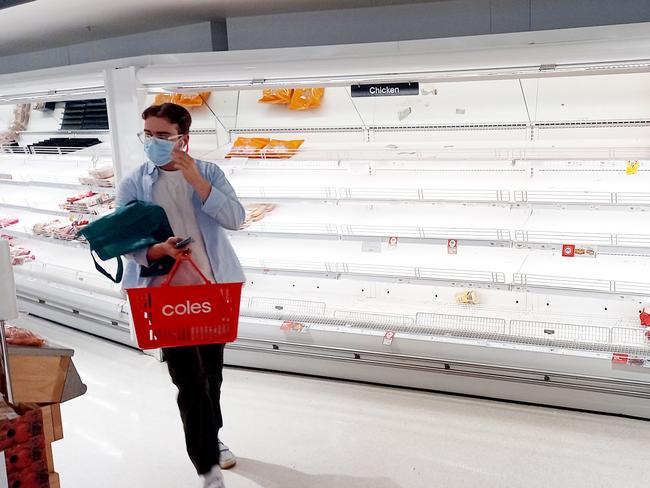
184, 243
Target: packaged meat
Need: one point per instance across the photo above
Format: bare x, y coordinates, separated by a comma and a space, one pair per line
245, 147
89, 203
19, 255
277, 96
102, 173
277, 149
187, 100
306, 98
7, 221
256, 212
469, 297
105, 182
17, 336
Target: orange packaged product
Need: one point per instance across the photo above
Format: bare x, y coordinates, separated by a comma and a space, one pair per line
277, 149
163, 98
279, 96
306, 98
187, 100
190, 100
245, 147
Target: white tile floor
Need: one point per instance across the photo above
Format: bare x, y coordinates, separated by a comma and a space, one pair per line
295, 432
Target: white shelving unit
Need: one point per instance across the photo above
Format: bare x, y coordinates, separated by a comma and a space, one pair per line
61, 283
515, 146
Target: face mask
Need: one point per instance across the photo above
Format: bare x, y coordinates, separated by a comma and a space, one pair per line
159, 151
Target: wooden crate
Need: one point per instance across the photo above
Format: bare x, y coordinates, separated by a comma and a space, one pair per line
49, 457
55, 481
52, 423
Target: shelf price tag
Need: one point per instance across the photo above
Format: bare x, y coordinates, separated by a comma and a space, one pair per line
291, 326
568, 250
452, 246
371, 246
392, 242
638, 361
388, 338
573, 251
632, 167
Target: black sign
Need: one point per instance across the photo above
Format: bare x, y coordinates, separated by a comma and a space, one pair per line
386, 90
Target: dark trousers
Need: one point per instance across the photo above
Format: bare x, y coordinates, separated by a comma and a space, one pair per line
197, 373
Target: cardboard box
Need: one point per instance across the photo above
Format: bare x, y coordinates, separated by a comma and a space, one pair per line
38, 379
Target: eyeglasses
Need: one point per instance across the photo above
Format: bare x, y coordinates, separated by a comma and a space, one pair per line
144, 137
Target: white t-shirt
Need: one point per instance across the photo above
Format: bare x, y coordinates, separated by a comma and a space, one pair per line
173, 193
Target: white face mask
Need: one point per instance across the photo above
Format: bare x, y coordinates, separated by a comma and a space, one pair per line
159, 151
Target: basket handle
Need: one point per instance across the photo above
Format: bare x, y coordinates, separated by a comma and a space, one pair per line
186, 256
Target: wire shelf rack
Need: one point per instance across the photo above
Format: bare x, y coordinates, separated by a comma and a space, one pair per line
283, 306
550, 333
480, 327
374, 320
556, 335
563, 282
295, 229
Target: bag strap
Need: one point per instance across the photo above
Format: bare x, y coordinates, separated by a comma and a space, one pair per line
186, 256
120, 269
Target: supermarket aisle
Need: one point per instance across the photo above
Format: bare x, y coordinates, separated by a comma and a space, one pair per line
293, 432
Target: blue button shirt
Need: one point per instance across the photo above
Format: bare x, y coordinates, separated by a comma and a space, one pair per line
222, 210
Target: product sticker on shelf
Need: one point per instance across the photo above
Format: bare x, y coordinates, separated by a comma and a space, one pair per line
370, 246
636, 361
632, 167
290, 326
388, 338
392, 242
619, 358
568, 250
644, 317
452, 246
585, 252
575, 251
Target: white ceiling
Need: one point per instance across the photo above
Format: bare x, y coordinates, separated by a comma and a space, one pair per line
44, 24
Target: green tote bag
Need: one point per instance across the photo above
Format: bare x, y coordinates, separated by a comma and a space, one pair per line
130, 228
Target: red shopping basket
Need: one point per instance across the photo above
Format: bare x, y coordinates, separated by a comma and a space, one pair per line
173, 316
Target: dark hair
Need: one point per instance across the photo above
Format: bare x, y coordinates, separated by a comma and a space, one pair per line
173, 113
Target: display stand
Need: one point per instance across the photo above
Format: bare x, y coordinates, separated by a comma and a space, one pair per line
35, 380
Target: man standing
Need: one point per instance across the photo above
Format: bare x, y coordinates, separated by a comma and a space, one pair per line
200, 203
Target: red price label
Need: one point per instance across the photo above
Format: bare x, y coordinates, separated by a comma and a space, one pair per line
568, 250
289, 326
388, 338
620, 358
452, 246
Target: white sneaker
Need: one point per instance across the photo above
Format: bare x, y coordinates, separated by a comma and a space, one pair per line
226, 458
214, 479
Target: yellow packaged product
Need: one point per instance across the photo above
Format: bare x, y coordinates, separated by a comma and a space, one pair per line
248, 147
277, 149
279, 96
306, 98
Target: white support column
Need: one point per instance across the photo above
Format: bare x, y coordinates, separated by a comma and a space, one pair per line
125, 99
